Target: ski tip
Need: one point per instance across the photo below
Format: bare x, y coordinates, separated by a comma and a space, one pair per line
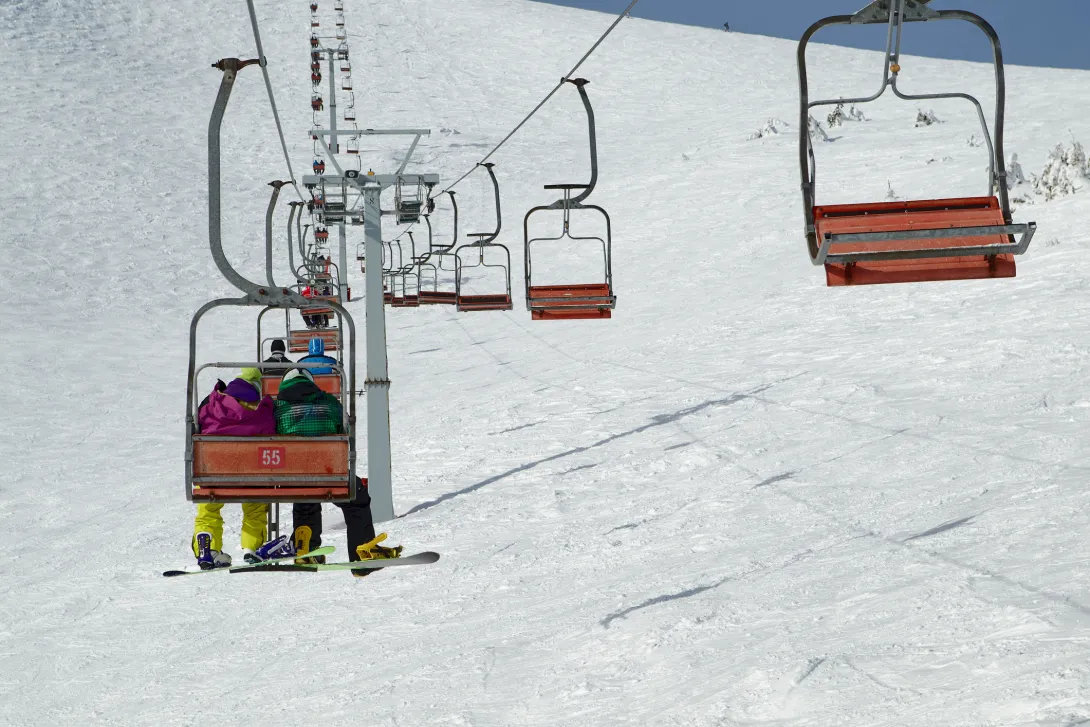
172, 573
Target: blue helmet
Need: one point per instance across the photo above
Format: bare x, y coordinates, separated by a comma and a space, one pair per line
317, 347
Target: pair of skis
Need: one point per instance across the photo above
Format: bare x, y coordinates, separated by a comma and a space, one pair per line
282, 565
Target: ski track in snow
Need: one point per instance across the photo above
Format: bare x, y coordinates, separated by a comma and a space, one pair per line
747, 499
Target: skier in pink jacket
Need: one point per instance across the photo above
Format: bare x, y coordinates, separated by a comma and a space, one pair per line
235, 409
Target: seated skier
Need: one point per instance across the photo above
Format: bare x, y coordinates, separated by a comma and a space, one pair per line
316, 354
278, 355
235, 409
302, 409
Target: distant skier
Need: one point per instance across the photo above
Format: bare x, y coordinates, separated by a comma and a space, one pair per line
234, 409
278, 355
316, 354
726, 27
302, 409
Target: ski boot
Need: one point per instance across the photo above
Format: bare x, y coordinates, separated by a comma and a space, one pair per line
373, 551
207, 559
301, 539
278, 548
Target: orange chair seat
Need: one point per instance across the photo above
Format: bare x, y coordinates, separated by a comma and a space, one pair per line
438, 297
280, 468
908, 216
299, 340
483, 302
331, 383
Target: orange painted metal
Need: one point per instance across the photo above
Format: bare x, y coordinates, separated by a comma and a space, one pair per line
914, 215
299, 340
580, 297
272, 464
484, 302
438, 297
331, 383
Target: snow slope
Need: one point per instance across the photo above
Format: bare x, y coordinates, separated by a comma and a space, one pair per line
747, 499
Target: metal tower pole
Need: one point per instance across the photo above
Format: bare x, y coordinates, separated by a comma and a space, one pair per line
334, 141
342, 273
379, 477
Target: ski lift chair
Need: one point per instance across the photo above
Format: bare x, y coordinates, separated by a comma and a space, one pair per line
485, 241
921, 240
428, 276
435, 296
346, 66
582, 300
410, 290
476, 302
408, 201
314, 23
342, 35
274, 468
346, 83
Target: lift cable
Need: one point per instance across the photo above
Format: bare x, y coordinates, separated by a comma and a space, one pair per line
556, 88
272, 98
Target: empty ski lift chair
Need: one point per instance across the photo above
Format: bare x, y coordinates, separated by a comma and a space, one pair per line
346, 83
921, 240
261, 468
408, 202
472, 255
435, 296
573, 301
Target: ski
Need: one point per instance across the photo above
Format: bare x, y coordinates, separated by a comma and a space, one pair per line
192, 570
423, 558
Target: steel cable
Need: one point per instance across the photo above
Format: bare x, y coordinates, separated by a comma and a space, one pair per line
549, 96
272, 98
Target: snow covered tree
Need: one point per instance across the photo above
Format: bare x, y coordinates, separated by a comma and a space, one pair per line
926, 118
771, 128
1015, 175
1065, 172
836, 116
816, 132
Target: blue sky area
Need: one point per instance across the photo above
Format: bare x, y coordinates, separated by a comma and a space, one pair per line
1054, 33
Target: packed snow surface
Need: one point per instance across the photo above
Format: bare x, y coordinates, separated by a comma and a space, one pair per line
747, 499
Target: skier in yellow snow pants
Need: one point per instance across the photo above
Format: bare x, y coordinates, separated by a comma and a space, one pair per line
210, 521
